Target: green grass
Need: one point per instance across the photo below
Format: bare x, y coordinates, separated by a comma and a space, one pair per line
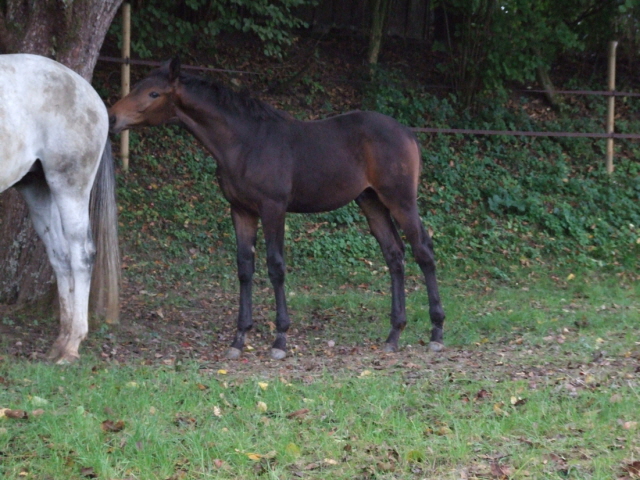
540, 380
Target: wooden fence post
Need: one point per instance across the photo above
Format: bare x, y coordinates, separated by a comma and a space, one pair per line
125, 78
611, 103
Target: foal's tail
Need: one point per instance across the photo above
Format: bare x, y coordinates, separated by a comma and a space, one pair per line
105, 283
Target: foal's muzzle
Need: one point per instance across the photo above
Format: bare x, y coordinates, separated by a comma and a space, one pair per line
112, 123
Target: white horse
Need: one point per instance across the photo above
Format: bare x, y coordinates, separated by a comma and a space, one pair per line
54, 149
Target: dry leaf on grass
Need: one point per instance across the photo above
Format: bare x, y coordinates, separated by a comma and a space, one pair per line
16, 414
111, 427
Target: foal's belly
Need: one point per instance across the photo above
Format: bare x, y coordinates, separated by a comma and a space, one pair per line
324, 198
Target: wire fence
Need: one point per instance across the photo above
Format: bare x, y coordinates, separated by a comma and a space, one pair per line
455, 131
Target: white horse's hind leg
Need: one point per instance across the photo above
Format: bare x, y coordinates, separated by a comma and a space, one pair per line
74, 324
62, 223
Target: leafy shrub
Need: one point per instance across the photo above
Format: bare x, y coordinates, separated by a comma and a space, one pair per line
178, 26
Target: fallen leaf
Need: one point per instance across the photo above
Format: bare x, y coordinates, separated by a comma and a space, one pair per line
615, 398
632, 469
222, 372
499, 471
298, 413
258, 456
261, 406
19, 414
37, 413
293, 450
312, 466
110, 426
497, 409
415, 456
88, 472
482, 394
263, 385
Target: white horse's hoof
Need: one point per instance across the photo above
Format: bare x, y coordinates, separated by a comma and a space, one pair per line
436, 346
278, 354
66, 359
234, 353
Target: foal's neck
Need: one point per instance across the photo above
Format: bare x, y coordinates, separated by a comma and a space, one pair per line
220, 131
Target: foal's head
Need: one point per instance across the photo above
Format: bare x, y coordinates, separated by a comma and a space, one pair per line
151, 102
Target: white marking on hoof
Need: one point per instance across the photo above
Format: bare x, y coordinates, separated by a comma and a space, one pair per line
436, 346
278, 354
234, 353
389, 348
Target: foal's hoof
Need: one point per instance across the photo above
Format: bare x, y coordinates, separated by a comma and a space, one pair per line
278, 354
389, 348
234, 353
436, 346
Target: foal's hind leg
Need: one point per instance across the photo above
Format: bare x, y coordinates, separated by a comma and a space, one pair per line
246, 226
422, 247
384, 230
273, 225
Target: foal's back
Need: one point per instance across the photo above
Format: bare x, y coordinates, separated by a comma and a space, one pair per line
336, 159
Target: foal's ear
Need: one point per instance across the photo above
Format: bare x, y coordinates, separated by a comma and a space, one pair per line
174, 69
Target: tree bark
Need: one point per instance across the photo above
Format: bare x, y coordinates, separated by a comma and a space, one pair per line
71, 32
379, 14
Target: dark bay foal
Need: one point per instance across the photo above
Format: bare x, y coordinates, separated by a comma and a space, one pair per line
270, 164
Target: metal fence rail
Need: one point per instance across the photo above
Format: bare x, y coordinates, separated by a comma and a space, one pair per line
468, 131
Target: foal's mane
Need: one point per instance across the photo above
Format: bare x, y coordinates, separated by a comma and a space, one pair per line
234, 102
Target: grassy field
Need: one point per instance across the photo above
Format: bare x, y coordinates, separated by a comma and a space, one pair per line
539, 380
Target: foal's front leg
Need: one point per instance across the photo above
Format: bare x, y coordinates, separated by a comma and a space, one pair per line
273, 226
246, 226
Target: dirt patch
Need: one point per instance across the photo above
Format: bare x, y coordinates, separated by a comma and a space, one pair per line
171, 337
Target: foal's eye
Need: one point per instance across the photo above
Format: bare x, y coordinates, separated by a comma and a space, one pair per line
154, 94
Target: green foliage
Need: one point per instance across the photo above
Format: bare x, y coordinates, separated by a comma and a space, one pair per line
486, 55
543, 33
174, 211
520, 199
177, 26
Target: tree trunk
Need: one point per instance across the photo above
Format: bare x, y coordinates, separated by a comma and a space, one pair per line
379, 14
72, 33
25, 273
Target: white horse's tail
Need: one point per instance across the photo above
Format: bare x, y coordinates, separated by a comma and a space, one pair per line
105, 283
